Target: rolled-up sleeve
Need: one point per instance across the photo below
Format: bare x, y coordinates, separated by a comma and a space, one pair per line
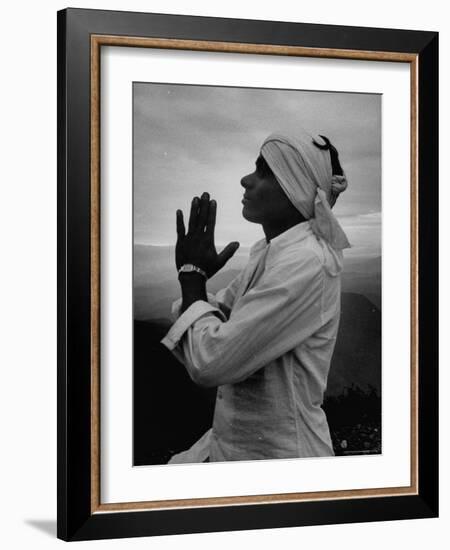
192, 314
276, 315
223, 300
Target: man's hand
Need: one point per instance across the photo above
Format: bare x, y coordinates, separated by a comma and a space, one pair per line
197, 245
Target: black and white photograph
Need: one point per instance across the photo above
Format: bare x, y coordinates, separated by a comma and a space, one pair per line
224, 298
257, 260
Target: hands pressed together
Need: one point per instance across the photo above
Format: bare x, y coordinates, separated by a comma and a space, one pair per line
197, 245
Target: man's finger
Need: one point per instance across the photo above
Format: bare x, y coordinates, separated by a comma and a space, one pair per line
193, 215
226, 253
211, 222
181, 231
203, 212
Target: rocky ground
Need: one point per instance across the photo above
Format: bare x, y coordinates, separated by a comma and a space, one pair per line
359, 439
355, 421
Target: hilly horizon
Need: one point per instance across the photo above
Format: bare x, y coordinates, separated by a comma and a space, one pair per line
156, 285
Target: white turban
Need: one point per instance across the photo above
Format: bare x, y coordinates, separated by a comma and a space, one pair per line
304, 172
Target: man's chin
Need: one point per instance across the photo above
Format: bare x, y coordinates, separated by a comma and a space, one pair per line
248, 215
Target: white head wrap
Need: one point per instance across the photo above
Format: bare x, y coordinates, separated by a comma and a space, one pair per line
304, 172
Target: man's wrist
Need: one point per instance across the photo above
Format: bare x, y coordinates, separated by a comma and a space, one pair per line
193, 285
193, 288
192, 279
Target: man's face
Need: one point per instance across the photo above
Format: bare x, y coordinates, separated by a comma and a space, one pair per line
264, 200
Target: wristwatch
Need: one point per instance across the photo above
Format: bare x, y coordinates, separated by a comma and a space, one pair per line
189, 268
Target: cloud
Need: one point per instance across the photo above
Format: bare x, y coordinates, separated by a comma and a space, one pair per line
363, 232
188, 139
370, 219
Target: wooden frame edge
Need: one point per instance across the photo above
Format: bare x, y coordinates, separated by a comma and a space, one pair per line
414, 273
95, 273
353, 494
248, 48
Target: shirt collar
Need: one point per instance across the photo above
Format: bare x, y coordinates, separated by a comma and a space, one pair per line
296, 233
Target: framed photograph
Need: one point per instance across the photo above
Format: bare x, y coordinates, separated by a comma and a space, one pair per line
247, 274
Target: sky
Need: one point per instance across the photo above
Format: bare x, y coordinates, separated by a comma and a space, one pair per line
189, 139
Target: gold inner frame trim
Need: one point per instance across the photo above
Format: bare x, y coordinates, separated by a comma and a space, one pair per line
97, 41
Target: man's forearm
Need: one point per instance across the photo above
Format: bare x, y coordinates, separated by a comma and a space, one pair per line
193, 288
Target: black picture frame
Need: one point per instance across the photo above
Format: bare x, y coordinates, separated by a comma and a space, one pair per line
78, 518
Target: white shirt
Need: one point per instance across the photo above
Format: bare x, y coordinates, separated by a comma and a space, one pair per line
266, 341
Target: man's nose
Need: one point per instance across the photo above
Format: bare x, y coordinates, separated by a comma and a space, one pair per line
245, 181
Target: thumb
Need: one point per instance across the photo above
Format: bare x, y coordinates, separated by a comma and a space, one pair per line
227, 253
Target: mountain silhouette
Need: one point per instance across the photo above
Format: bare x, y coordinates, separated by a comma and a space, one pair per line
357, 355
171, 412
